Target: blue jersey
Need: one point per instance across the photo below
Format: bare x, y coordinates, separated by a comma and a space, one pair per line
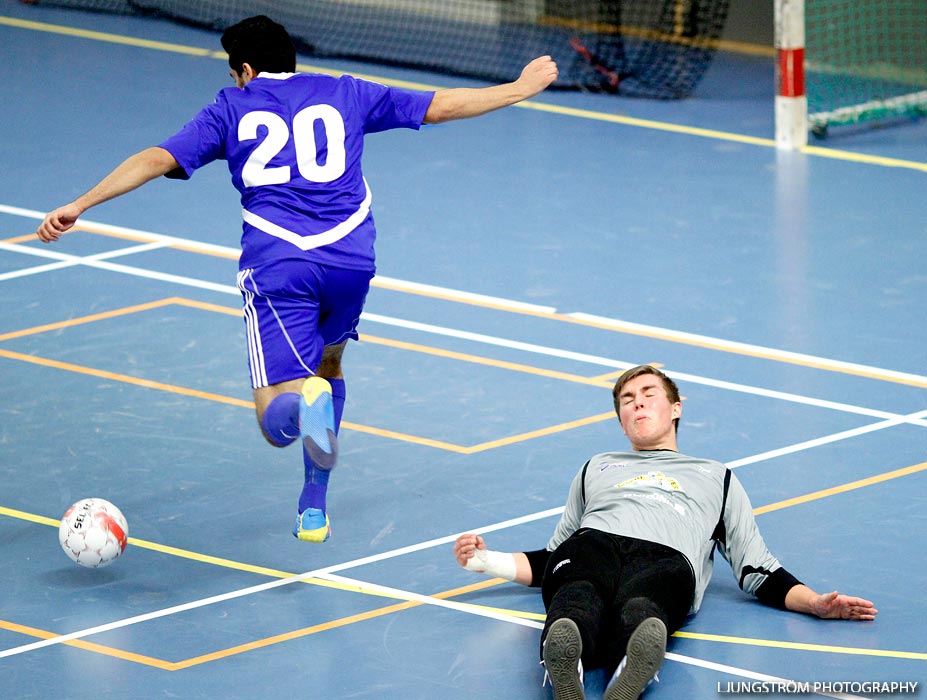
294, 144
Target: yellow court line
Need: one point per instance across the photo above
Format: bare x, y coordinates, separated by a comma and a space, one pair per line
334, 624
124, 378
206, 558
528, 104
109, 38
390, 434
124, 311
445, 595
259, 643
869, 481
654, 333
551, 430
87, 646
477, 359
747, 641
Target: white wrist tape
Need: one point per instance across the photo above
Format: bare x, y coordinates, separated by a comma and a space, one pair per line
496, 564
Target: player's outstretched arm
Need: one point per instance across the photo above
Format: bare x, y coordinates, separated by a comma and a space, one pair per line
133, 172
471, 553
831, 606
463, 103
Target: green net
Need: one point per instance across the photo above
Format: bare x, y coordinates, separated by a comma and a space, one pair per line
865, 60
642, 48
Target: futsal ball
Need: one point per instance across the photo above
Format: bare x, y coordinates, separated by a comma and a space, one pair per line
93, 532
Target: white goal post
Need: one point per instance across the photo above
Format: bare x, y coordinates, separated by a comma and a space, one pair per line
791, 101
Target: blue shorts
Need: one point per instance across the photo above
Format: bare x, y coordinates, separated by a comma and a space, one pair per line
292, 310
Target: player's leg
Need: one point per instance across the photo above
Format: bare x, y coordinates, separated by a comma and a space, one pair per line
342, 298
282, 312
312, 522
330, 369
277, 410
283, 412
579, 580
652, 602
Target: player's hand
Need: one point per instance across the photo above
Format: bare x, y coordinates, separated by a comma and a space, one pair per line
57, 222
538, 74
466, 546
833, 606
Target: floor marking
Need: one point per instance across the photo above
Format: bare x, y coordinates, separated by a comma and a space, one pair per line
411, 599
256, 644
526, 104
125, 379
734, 671
65, 261
102, 264
843, 488
913, 418
750, 350
488, 361
608, 362
747, 641
891, 420
824, 152
90, 318
457, 296
493, 614
317, 573
87, 646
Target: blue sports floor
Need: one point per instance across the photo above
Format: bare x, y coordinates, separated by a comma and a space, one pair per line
526, 258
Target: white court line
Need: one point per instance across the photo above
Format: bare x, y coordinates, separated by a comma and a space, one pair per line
260, 588
723, 668
513, 619
96, 262
836, 437
123, 231
161, 241
617, 364
430, 600
65, 260
745, 347
328, 573
616, 324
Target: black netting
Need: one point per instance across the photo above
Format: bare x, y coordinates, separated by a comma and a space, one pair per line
643, 48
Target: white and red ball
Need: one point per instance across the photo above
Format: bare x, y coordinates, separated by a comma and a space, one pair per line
93, 532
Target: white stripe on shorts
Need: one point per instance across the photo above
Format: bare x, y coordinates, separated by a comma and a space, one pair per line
253, 331
255, 350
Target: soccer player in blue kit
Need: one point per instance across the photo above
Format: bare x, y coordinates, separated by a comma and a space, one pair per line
293, 143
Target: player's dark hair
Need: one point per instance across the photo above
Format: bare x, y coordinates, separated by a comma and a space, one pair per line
261, 43
672, 391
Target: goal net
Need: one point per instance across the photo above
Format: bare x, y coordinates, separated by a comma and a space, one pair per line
642, 48
865, 60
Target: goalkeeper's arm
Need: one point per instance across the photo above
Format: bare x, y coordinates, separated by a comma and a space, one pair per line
526, 568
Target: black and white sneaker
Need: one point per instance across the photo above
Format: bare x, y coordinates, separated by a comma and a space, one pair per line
563, 648
639, 667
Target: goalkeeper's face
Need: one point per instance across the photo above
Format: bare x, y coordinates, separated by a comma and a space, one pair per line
647, 414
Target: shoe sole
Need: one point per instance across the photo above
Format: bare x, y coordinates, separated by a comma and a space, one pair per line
646, 649
317, 421
317, 535
312, 537
562, 650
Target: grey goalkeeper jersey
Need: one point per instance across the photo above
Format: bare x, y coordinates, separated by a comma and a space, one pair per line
675, 500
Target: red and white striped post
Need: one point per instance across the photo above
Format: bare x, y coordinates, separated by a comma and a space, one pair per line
791, 102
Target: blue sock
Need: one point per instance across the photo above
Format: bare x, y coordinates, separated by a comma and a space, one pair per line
338, 396
280, 421
315, 487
